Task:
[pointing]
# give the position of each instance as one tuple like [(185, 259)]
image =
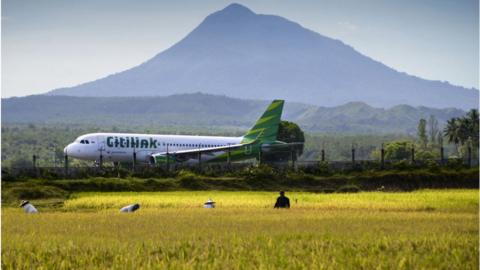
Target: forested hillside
[(219, 112)]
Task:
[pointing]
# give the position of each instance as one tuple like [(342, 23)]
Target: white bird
[(28, 207)]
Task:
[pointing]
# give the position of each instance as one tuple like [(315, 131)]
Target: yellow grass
[(442, 200), (424, 229)]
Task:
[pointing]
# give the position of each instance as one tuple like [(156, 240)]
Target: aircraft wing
[(281, 145), (193, 153), (209, 149)]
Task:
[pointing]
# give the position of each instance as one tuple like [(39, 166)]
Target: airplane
[(161, 149)]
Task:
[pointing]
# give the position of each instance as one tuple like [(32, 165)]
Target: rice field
[(428, 229)]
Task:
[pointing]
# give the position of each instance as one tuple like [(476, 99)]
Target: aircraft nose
[(65, 150)]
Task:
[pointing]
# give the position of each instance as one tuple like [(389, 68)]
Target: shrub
[(186, 175), (402, 165), (299, 176), (348, 189), (455, 163), (432, 165), (190, 180), (425, 155), (261, 172), (30, 192), (322, 169)]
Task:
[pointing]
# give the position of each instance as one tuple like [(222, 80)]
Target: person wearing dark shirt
[(282, 201)]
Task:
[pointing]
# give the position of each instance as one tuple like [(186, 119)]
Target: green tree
[(473, 119), (451, 131), (398, 150), (422, 133), (463, 131), (288, 132), (433, 130), (440, 139)]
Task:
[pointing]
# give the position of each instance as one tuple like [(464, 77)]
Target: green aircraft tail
[(266, 128)]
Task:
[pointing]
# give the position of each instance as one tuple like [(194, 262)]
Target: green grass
[(429, 229)]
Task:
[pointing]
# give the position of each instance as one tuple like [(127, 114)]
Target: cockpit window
[(82, 141), (86, 141)]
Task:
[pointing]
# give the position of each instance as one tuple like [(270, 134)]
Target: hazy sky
[(52, 44)]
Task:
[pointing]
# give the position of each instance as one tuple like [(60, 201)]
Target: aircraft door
[(101, 148)]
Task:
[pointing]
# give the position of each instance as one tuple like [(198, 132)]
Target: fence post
[(353, 154), (174, 158), (200, 161), (442, 159), (382, 158), (228, 157), (260, 155), (469, 156), (323, 155), (100, 163), (413, 155), (134, 160), (168, 160), (292, 156), (34, 161), (66, 165)]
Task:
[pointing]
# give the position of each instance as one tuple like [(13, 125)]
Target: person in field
[(28, 207), (130, 208), (282, 201)]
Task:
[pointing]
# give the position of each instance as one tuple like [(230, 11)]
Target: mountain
[(210, 111), (239, 53)]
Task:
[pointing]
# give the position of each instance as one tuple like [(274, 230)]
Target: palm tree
[(473, 117), (464, 129), (451, 131)]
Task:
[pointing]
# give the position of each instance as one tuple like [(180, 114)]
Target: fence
[(146, 170), (165, 170)]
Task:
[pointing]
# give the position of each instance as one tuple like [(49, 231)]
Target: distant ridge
[(204, 110), (239, 53)]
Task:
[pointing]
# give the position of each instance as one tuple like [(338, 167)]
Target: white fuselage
[(120, 147)]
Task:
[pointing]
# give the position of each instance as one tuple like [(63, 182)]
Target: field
[(426, 229)]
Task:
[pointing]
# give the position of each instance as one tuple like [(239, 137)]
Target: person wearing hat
[(28, 207), (130, 208), (282, 201), (209, 204)]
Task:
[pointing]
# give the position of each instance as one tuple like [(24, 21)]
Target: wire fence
[(166, 170)]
